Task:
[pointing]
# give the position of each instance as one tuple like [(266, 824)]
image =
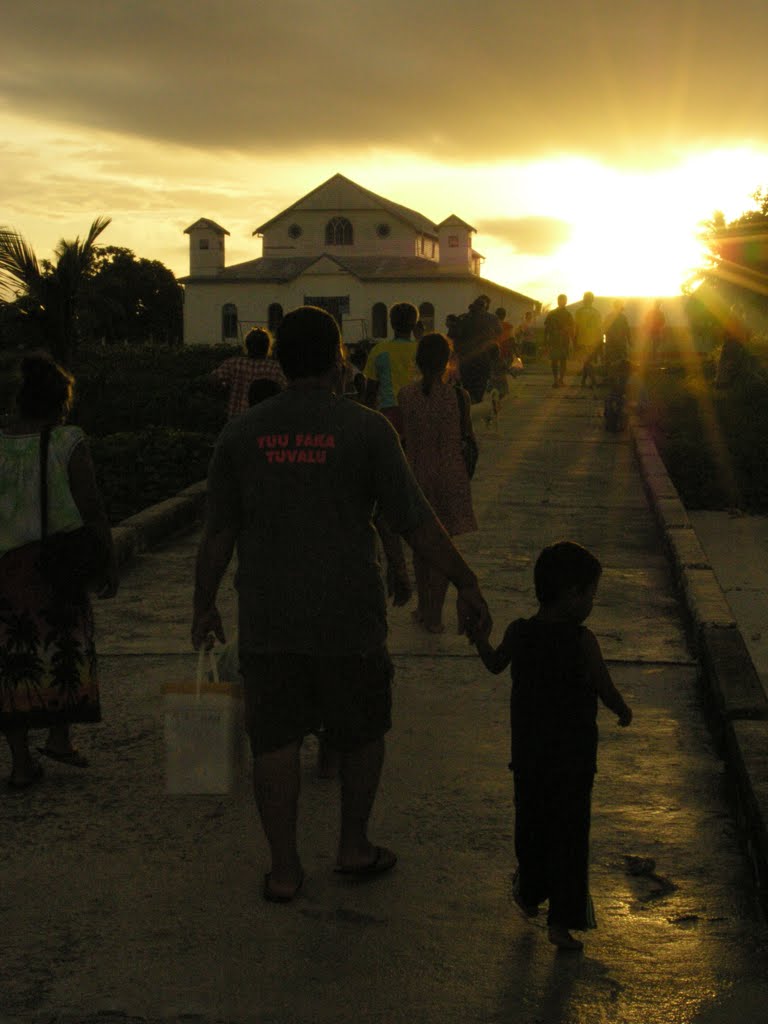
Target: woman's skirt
[(47, 655)]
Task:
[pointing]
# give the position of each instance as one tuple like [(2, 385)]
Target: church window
[(204, 243), (379, 320), (274, 316), (383, 230), (338, 231), (427, 316), (295, 231), (228, 321)]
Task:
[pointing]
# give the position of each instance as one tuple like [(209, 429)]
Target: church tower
[(456, 255), (206, 248)]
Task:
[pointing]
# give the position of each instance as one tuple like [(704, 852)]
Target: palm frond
[(19, 269)]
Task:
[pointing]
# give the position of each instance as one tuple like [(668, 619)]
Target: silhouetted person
[(558, 674), (478, 330), (524, 336), (559, 332), (617, 336), (588, 322), (390, 366), (261, 389), (294, 482), (236, 374), (654, 326)]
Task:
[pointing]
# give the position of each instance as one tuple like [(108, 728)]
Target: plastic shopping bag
[(204, 732)]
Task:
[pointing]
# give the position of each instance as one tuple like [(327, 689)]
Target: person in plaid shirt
[(237, 374)]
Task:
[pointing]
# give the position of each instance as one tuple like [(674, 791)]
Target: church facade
[(347, 250)]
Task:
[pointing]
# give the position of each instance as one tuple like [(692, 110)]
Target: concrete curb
[(158, 523), (737, 701)]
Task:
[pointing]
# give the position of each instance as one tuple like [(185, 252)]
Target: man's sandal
[(383, 860), (70, 757)]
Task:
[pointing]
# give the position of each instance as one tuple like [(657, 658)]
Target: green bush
[(138, 469), (712, 440), (131, 388)]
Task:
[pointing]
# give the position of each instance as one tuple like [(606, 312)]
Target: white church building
[(343, 248)]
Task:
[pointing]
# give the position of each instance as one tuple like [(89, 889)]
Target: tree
[(738, 255), (46, 295), (130, 299)]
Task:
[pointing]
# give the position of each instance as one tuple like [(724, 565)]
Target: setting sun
[(627, 232)]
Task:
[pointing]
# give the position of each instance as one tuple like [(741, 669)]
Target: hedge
[(712, 440)]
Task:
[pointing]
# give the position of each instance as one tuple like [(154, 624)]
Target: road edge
[(736, 701)]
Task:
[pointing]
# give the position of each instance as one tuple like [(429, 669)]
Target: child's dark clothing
[(553, 712)]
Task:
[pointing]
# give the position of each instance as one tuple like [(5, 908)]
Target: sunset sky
[(584, 139)]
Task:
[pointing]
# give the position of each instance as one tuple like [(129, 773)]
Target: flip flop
[(274, 897), (383, 860), (37, 774), (71, 757)]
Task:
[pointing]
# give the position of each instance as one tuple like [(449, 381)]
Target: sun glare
[(637, 233)]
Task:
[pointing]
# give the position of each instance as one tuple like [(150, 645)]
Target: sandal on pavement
[(275, 897), (383, 860), (37, 774), (71, 757), (563, 939)]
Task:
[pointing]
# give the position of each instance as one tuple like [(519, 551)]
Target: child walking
[(558, 673)]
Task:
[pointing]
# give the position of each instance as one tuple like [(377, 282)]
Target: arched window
[(338, 231), (274, 317), (379, 320), (427, 316), (228, 322)]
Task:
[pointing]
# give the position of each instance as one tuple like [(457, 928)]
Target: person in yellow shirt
[(392, 363)]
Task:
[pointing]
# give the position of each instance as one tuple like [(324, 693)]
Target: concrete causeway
[(122, 904)]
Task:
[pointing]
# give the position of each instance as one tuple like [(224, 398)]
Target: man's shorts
[(289, 695)]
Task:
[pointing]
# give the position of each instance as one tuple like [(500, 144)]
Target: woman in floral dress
[(433, 410), (47, 656)]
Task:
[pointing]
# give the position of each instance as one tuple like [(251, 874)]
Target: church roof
[(210, 225), (457, 221), (281, 269), (314, 200)]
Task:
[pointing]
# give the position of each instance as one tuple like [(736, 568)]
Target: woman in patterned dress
[(432, 427), (47, 656)]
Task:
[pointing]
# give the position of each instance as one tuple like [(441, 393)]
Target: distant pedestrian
[(390, 366), (236, 374), (392, 363), (434, 412), (524, 336), (654, 327), (505, 340), (261, 389), (588, 323), (559, 332), (617, 336), (558, 674), (478, 330)]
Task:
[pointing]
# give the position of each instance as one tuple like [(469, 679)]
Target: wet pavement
[(121, 903)]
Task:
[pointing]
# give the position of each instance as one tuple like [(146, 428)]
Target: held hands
[(206, 628), (473, 615), (110, 583), (625, 716)]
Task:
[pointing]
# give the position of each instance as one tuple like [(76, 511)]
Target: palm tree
[(48, 293)]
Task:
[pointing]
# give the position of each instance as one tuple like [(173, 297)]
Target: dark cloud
[(534, 236), (441, 77)]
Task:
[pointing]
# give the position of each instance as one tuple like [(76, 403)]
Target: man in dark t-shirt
[(294, 483)]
